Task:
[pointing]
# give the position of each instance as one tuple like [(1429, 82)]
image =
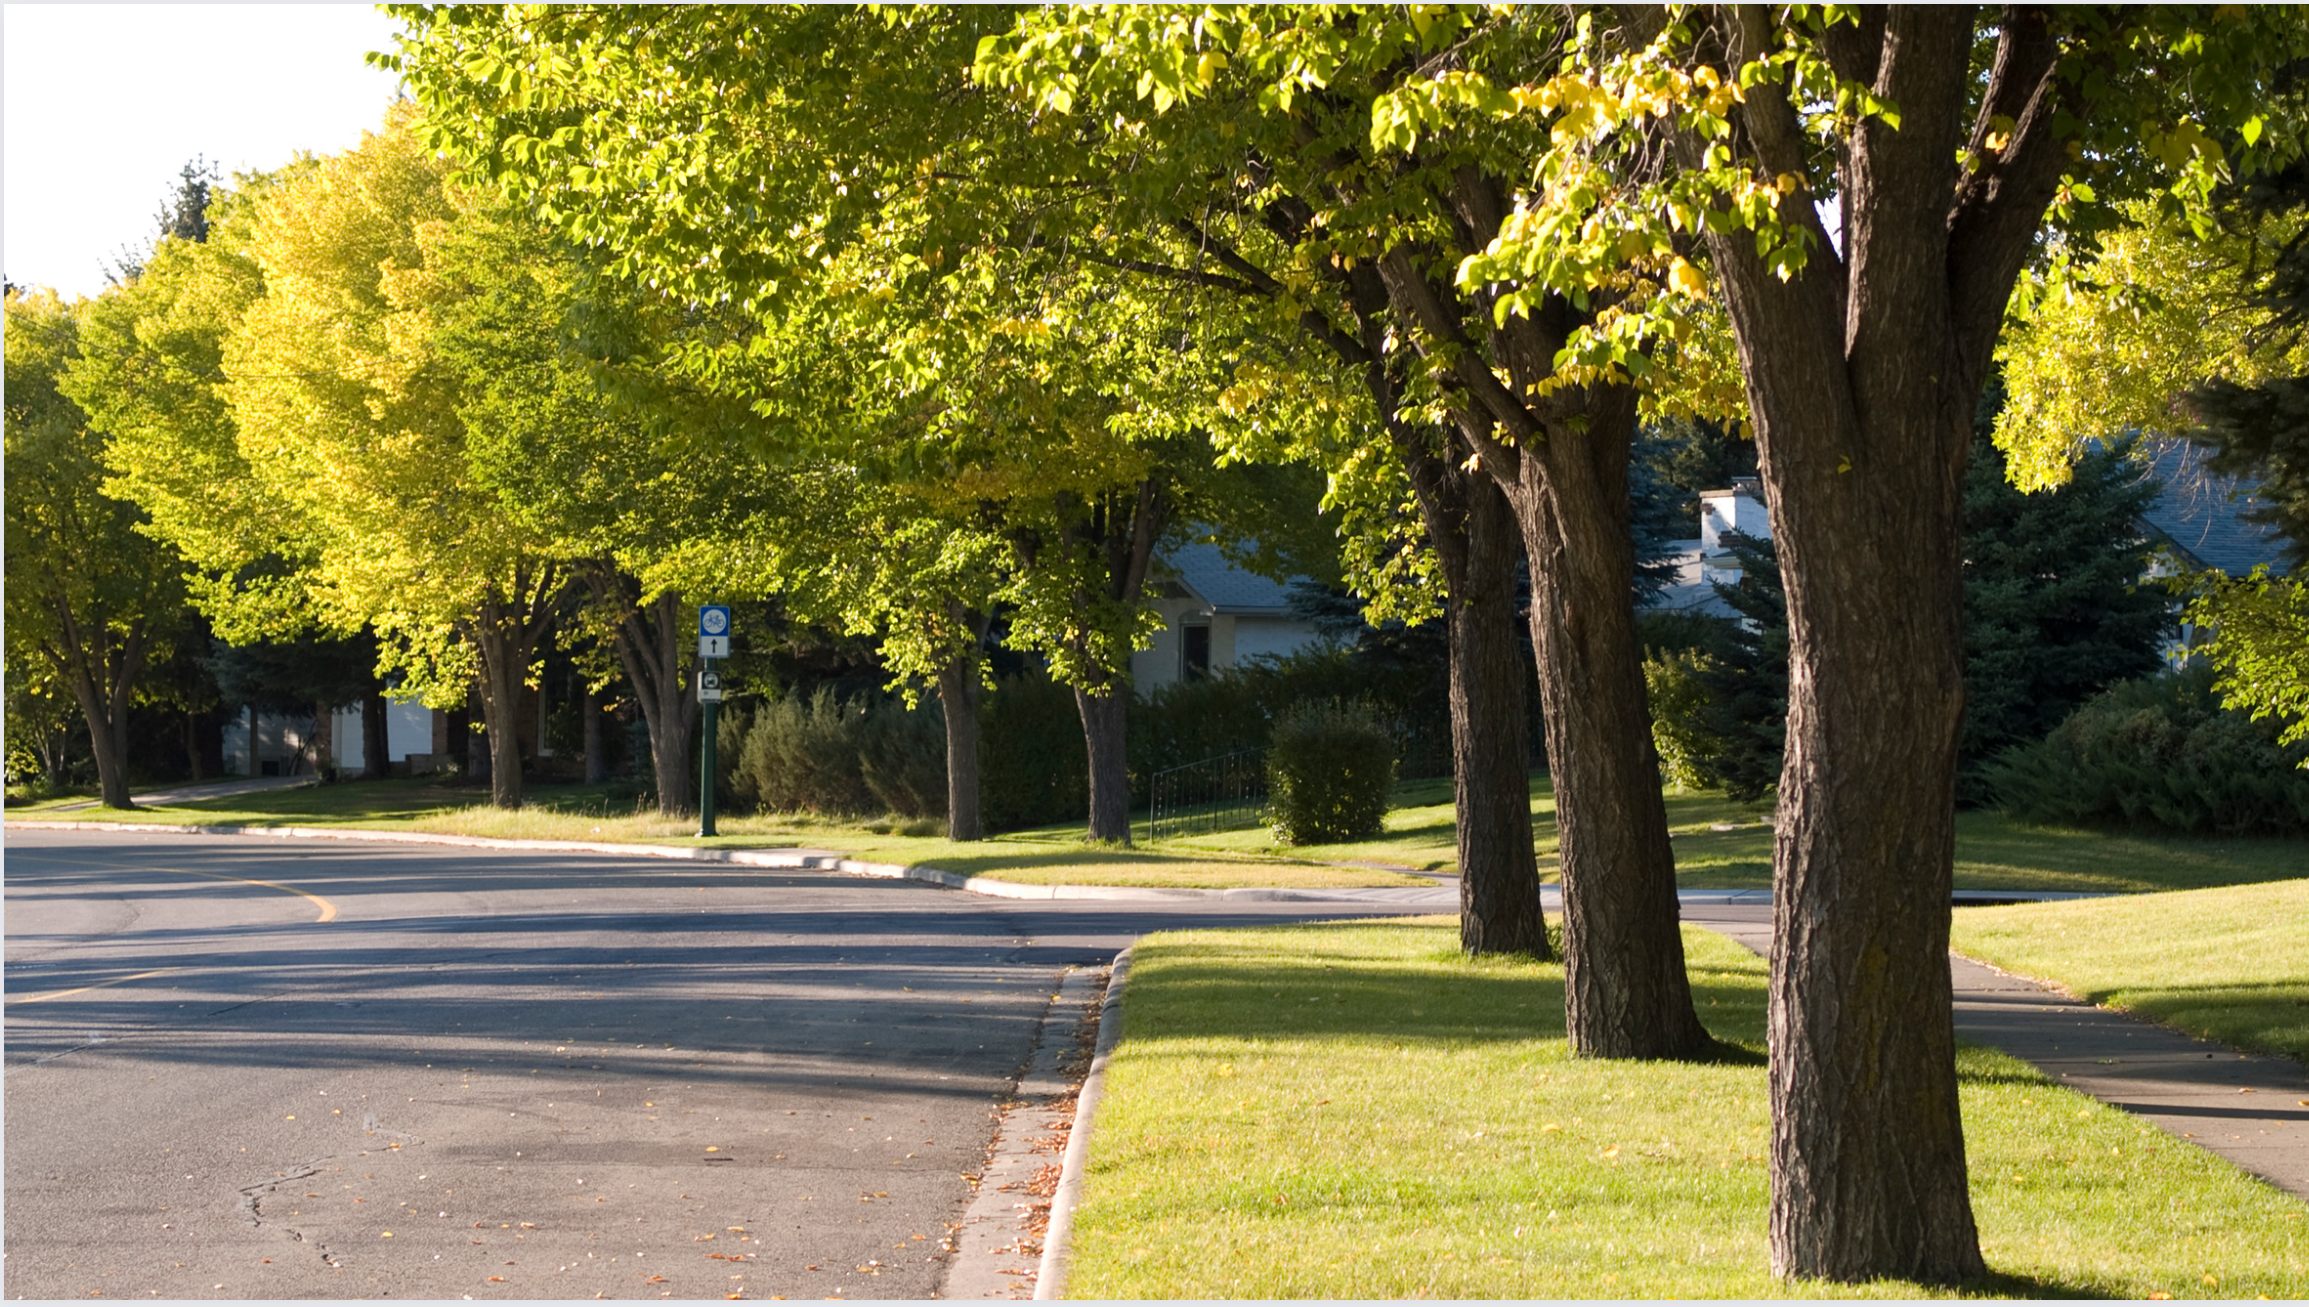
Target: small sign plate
[(713, 646), (714, 619), (709, 687)]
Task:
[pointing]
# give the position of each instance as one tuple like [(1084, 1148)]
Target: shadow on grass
[(1245, 991)]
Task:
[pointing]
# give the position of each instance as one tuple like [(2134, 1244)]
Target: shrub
[(2159, 752), (1033, 768), (1679, 699), (734, 787), (1329, 769), (902, 757), (803, 755)]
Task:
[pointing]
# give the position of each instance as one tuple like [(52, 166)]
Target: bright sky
[(106, 103)]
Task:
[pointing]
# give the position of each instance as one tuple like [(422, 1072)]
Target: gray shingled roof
[(1224, 586), (2202, 514)]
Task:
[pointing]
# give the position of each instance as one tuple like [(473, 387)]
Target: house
[(417, 739), (1703, 564), (1215, 615), (2200, 516)]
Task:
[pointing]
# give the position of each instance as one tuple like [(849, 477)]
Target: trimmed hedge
[(1330, 767)]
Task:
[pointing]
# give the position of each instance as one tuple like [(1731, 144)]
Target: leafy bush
[(1033, 767), (2159, 752), (734, 787), (1329, 770), (1234, 709), (902, 757), (802, 755), (1678, 695)]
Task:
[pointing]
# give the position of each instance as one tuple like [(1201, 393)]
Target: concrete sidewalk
[(2247, 1107), (202, 790)]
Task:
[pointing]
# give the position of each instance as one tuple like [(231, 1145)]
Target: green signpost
[(713, 644)]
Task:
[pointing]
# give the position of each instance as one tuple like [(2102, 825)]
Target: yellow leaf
[(1687, 280), (1549, 1126)]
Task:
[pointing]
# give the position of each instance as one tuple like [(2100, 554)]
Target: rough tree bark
[(1626, 992), (1862, 374), (1563, 465), (324, 740), (958, 695), (1474, 538), (596, 763), (376, 744), (1124, 535), (507, 633), (652, 648), (101, 676)]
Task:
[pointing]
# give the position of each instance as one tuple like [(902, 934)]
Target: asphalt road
[(241, 1068)]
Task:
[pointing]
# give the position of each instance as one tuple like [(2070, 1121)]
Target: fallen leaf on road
[(497, 1279), (655, 1279)]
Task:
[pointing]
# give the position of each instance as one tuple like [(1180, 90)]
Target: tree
[(2198, 335), (1945, 138), (352, 417), (183, 216), (879, 212), (90, 597), (1369, 228)]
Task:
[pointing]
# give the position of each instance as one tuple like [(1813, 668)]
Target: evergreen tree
[(1747, 680), (2054, 607)]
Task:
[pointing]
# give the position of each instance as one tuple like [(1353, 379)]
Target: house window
[(1194, 652)]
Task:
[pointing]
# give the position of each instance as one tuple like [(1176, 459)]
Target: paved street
[(242, 1069)]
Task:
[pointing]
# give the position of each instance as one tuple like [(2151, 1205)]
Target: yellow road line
[(103, 984), (328, 909)]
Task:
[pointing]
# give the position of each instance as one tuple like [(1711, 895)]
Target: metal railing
[(1227, 792)]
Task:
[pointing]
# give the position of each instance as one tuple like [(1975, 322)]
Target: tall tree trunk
[(596, 761), (1104, 712), (1120, 532), (324, 740), (376, 742), (1863, 371), (1626, 993), (1563, 465), (504, 666), (1499, 905), (191, 726), (478, 741), (651, 646), (1499, 900), (958, 692), (101, 676)]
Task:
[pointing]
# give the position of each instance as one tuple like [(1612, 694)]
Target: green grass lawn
[(2229, 964), (1718, 844), (1356, 1111), (1054, 855)]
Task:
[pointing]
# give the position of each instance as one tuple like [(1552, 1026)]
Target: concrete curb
[(1050, 1280), (1443, 895), (792, 860)]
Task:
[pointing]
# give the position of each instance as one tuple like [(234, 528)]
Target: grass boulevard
[(1356, 1110)]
